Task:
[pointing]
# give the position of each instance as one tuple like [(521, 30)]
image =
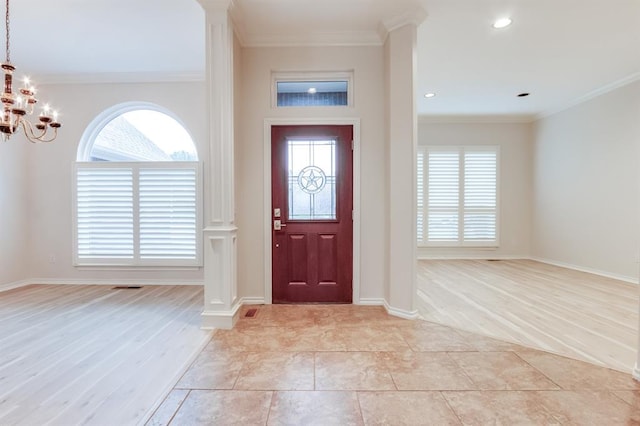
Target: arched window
[(138, 190), (141, 135)]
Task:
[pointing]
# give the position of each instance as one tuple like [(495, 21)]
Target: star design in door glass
[(312, 179)]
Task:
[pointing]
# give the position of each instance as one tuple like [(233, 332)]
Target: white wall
[(257, 65), (586, 210), (50, 170), (14, 197), (514, 140)]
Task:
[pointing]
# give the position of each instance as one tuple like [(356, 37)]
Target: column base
[(220, 319)]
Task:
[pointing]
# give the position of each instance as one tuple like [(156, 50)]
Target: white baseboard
[(15, 284), (401, 313), (371, 302), (488, 256), (636, 372), (410, 315), (469, 256), (632, 280), (74, 281), (252, 301)]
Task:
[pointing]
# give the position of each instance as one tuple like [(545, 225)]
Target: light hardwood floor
[(560, 310), (92, 354)]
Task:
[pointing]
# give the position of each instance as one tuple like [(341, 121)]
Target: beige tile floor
[(355, 365)]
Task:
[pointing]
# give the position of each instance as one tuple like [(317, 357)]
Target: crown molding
[(122, 77), (591, 95), (414, 16), (216, 5), (338, 38), (236, 13), (476, 119), (377, 37)]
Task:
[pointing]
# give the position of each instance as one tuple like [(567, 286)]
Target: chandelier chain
[(17, 104), (7, 32)]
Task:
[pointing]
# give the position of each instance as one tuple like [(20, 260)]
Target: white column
[(400, 57), (220, 285)]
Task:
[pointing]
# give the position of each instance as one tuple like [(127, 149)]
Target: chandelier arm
[(52, 138), (29, 132)]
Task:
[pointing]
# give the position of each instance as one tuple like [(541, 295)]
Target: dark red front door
[(312, 222)]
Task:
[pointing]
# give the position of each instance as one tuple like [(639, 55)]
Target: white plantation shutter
[(443, 181), (480, 196), (168, 222), (138, 213), (105, 213), (420, 195), (458, 196)]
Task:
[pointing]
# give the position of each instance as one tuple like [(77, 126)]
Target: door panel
[(312, 198), (327, 270), (297, 256)]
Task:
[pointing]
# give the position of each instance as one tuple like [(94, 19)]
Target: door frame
[(266, 213)]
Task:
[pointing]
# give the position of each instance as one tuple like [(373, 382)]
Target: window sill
[(103, 267), (458, 246)]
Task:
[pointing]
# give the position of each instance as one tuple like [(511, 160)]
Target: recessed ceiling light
[(502, 23), (429, 95), (522, 95), (312, 90)]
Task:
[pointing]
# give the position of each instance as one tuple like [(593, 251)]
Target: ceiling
[(560, 51)]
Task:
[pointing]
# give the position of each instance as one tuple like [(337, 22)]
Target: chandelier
[(17, 108)]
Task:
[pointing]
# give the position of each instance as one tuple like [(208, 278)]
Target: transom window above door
[(312, 89)]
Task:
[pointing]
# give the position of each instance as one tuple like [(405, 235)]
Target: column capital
[(414, 16), (216, 6)]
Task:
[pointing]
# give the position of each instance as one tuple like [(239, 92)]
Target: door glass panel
[(311, 180)]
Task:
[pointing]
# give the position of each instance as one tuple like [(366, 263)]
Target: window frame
[(311, 76), (136, 261), (83, 155), (422, 212)]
